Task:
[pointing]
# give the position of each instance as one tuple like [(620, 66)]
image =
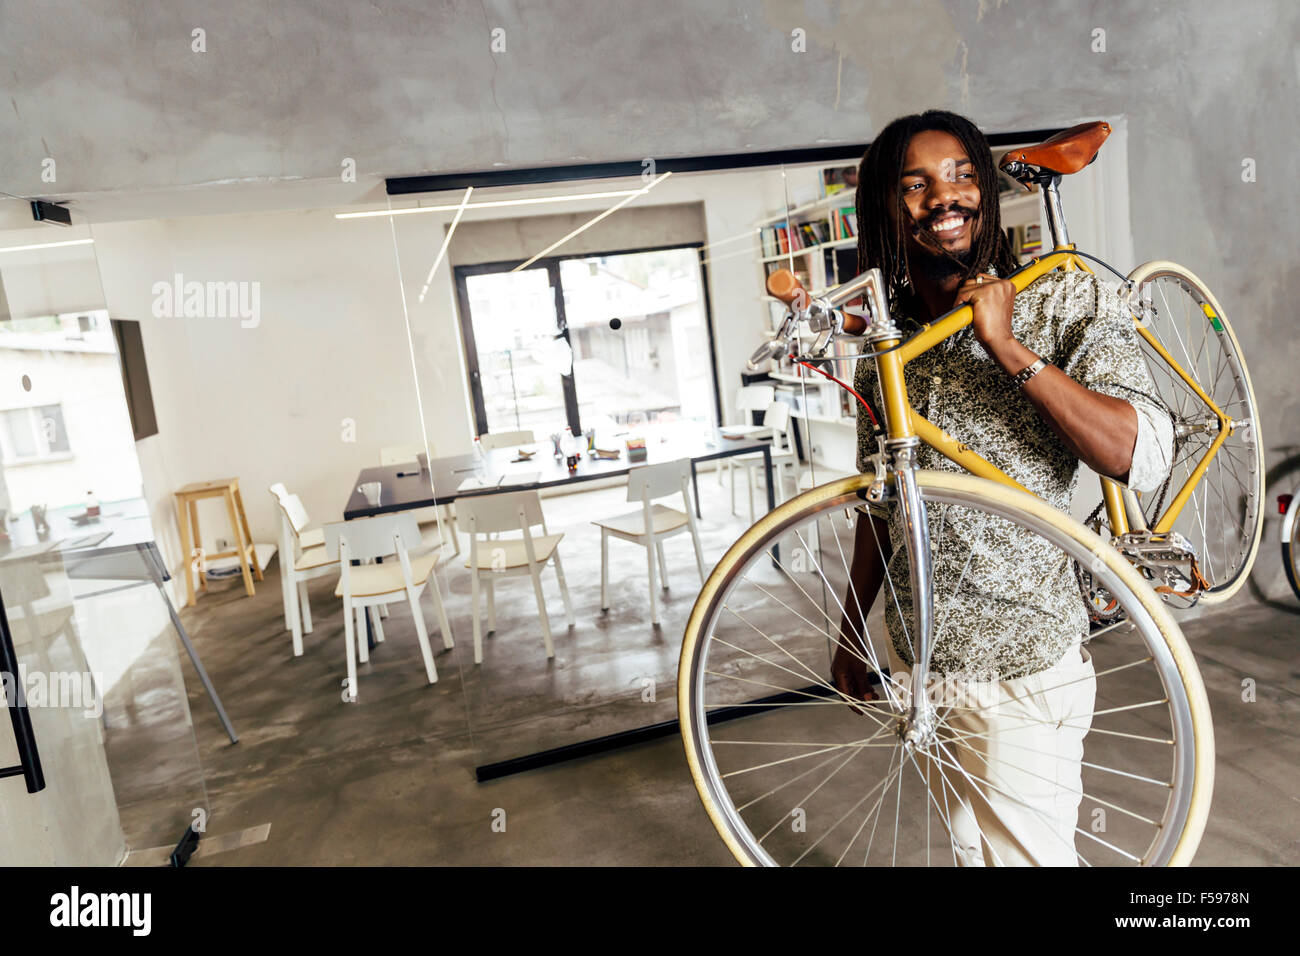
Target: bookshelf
[(817, 239)]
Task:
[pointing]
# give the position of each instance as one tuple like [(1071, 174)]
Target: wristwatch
[(1025, 374)]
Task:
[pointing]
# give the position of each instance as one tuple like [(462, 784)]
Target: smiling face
[(940, 194)]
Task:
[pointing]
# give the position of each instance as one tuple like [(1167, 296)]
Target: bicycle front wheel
[(1223, 516), (790, 773)]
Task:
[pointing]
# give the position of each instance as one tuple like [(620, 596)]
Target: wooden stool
[(187, 510)]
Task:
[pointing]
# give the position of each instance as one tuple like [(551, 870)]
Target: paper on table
[(477, 484), (517, 478), (745, 431)]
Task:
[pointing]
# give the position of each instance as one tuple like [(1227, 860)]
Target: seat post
[(1055, 216)]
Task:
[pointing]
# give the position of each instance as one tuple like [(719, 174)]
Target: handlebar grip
[(783, 285), (853, 324)]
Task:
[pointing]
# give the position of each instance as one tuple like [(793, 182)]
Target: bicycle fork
[(918, 729)]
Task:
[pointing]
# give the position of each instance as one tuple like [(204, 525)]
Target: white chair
[(302, 557), (494, 558), (651, 524), (366, 587), (494, 440), (749, 398), (443, 515), (777, 418)]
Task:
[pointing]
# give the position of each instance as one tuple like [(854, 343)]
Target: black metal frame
[(29, 765), (552, 264), (639, 735), (534, 175)]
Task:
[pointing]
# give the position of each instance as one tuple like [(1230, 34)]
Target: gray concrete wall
[(115, 94)]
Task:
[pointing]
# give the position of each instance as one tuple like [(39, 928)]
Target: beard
[(939, 267), (928, 261)]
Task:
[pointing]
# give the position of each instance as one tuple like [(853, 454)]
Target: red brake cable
[(849, 388)]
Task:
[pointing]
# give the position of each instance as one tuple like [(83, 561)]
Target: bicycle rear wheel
[(1223, 518), (805, 779), (1291, 542)]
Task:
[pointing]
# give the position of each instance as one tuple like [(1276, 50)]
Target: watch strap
[(1025, 374)]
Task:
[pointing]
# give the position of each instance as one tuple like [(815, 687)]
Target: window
[(33, 434), (542, 353)]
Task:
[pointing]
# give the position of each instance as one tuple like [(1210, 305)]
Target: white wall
[(307, 396)]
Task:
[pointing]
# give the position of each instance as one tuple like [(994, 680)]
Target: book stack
[(784, 237)]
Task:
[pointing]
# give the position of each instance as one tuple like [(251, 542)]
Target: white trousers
[(1006, 775)]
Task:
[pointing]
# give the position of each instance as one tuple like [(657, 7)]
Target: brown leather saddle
[(1066, 152)]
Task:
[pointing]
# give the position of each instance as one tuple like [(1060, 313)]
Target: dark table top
[(403, 487)]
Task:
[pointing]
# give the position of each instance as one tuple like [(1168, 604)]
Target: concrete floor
[(390, 780)]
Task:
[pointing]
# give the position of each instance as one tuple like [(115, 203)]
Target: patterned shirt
[(1006, 604)]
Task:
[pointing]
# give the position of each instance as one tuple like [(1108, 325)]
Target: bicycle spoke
[(785, 760), (816, 678), (866, 645), (865, 798), (1012, 797), (793, 780), (807, 796), (1081, 793), (862, 614), (879, 803), (809, 761)]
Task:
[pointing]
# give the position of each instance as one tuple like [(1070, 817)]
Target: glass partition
[(630, 327), (282, 376), (97, 657), (266, 383)]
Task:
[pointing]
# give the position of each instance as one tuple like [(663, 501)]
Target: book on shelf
[(848, 404), (843, 223), (783, 238), (1028, 240), (800, 273)]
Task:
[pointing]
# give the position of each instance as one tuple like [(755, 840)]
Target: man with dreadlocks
[(928, 218)]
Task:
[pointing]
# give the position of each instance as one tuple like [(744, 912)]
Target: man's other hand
[(850, 677)]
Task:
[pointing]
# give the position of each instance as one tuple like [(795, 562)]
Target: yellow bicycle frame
[(903, 422)]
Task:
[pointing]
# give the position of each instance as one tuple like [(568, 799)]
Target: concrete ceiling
[(114, 93)]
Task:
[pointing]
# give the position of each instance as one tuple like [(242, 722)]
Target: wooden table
[(187, 512)]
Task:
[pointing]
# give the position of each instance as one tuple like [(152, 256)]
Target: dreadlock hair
[(880, 235)]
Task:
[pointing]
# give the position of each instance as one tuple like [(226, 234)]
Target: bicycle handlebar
[(784, 285)]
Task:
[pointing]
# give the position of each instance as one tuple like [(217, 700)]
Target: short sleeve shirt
[(1010, 603)]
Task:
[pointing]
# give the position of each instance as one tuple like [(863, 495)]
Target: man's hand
[(991, 299), (849, 675)]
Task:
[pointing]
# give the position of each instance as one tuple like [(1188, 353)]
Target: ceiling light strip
[(446, 241), (591, 222), (47, 245), (487, 204)]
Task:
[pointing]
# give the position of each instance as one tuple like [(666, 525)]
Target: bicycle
[(1289, 506), (1147, 774)]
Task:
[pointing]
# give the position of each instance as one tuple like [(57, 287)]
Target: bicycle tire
[(1290, 536), (1193, 758), (1227, 582)]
